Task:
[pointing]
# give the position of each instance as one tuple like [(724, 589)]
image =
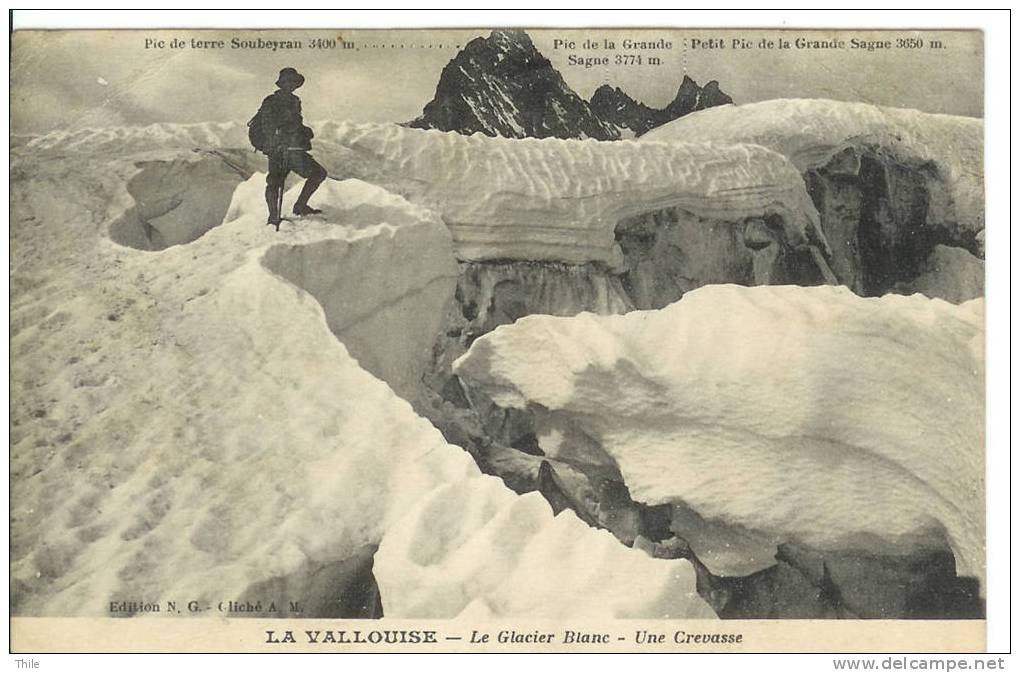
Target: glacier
[(221, 419), (173, 356), (805, 414)]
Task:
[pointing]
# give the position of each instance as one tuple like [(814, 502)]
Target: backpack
[(260, 132)]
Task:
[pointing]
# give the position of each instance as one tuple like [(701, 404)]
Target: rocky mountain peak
[(613, 105), (501, 85), (503, 48), (712, 95), (690, 98)]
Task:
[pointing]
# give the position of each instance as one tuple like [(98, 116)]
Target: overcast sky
[(77, 79)]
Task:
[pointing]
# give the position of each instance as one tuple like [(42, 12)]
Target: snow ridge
[(560, 200), (529, 199)]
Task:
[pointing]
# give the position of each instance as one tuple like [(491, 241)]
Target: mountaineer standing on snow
[(278, 131)]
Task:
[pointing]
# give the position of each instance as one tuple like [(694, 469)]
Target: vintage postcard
[(497, 340)]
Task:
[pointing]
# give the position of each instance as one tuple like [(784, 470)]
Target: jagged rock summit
[(690, 98), (613, 105), (503, 86)]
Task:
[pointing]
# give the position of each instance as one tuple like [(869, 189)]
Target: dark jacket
[(282, 111)]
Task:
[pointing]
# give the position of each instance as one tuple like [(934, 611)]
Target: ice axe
[(279, 206)]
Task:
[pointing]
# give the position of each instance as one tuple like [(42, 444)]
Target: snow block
[(808, 414), (560, 200)]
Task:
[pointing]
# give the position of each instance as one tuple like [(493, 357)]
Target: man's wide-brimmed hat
[(290, 75)]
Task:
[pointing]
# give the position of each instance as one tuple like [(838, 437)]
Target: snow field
[(219, 435)]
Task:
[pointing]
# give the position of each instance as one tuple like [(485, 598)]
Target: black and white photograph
[(497, 339)]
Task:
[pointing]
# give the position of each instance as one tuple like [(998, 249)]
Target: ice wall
[(384, 292), (950, 273), (811, 132), (889, 184), (498, 293), (560, 200)]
